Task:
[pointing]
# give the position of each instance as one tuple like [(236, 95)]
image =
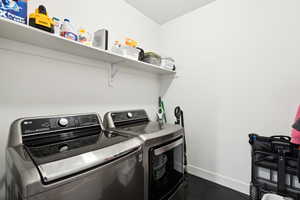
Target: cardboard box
[(15, 10)]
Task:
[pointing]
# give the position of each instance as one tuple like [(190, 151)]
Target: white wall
[(238, 66), (32, 83)]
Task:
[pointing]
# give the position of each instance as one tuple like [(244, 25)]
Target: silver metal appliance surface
[(161, 141), (71, 157)]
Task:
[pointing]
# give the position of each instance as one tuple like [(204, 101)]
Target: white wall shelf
[(23, 33)]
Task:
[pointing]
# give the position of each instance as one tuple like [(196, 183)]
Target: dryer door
[(166, 169)]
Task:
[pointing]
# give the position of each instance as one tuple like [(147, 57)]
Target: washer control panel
[(39, 125)]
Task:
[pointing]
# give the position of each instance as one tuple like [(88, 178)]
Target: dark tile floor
[(200, 189)]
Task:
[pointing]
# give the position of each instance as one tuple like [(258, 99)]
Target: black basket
[(279, 157)]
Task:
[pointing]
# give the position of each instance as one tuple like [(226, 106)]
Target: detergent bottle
[(67, 31), (57, 25), (84, 37)]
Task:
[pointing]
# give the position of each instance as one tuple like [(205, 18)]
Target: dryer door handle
[(168, 147)]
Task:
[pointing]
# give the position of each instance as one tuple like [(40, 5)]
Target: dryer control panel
[(129, 117)]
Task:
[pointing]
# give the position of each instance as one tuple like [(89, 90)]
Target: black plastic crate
[(279, 159)]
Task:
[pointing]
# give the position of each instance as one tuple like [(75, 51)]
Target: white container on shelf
[(130, 52), (57, 25), (168, 63), (100, 39), (117, 48)]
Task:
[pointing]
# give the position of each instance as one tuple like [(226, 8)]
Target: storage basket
[(152, 58)]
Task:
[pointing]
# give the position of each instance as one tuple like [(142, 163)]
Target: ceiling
[(162, 11)]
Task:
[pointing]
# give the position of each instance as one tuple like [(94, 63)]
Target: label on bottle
[(69, 35)]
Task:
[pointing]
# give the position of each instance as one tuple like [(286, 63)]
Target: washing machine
[(71, 157)]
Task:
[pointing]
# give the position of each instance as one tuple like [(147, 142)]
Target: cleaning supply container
[(84, 37), (117, 48), (67, 30), (130, 52), (57, 25), (168, 63), (100, 39)]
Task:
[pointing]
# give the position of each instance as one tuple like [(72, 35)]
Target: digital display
[(35, 125)]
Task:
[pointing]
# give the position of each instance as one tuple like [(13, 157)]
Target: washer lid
[(55, 170), (145, 128), (51, 152), (150, 130)]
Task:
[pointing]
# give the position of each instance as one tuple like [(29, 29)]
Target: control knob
[(129, 115), (63, 122)]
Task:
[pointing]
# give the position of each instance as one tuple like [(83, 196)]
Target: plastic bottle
[(84, 37), (68, 31), (57, 25), (117, 48)]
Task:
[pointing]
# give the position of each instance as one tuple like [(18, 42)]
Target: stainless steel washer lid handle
[(168, 147)]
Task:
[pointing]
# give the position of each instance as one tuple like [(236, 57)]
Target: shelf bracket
[(113, 71)]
